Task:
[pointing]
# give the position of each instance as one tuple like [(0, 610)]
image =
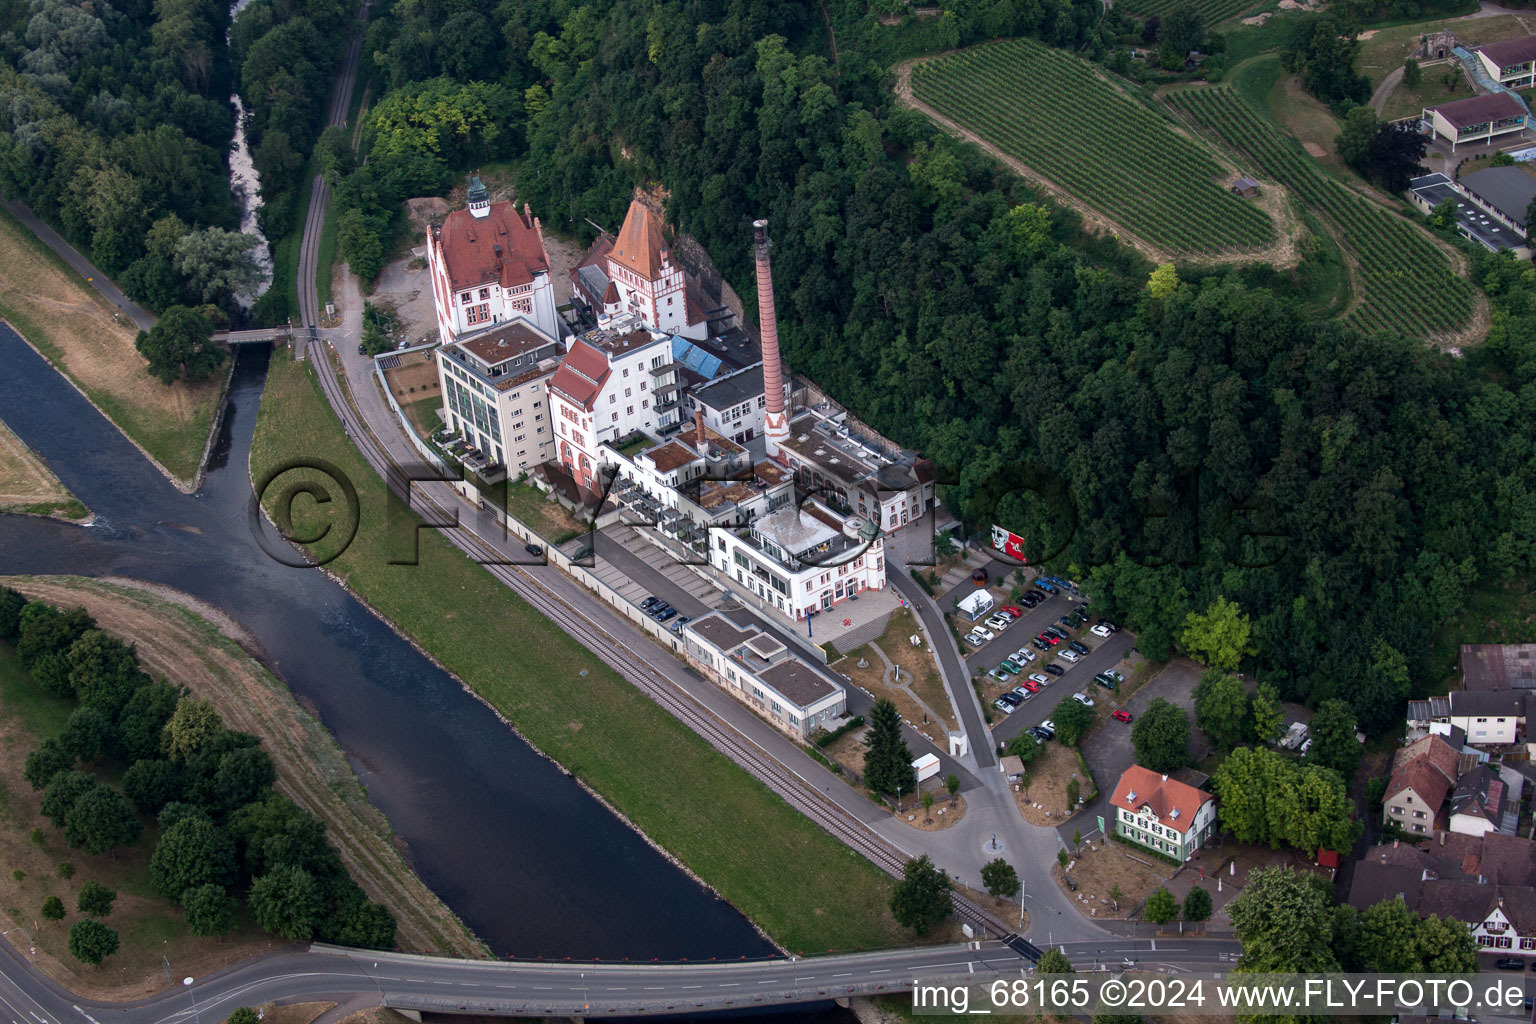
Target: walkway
[(141, 318)]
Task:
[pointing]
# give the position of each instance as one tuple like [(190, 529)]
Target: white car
[(985, 634), (1101, 630), (974, 639), (1070, 657), (999, 622), (1083, 699), (1040, 677), (1022, 692), (1023, 655), (1003, 706)]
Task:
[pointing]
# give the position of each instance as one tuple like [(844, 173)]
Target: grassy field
[(1406, 102), (1126, 161), (72, 325), (794, 880), (29, 487), (176, 642), (1407, 284), (423, 414)]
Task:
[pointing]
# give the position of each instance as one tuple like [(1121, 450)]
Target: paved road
[(957, 680), (564, 989), (141, 318)]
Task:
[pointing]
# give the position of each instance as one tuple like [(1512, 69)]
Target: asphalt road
[(942, 641), (567, 988), (141, 318)]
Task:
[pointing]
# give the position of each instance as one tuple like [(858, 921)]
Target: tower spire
[(775, 418)]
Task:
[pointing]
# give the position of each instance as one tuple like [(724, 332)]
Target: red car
[(1121, 716), (1031, 686), (1046, 638), (1013, 610)]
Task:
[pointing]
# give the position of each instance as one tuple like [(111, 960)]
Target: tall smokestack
[(775, 419)]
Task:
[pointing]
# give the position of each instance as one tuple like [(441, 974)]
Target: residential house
[(1479, 803), (1424, 773), (1163, 814)]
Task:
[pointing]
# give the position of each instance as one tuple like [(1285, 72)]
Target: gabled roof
[(639, 244), (581, 375), (1480, 793), (1494, 703), (1374, 881), (1432, 750), (1492, 106), (1424, 780), (469, 247), (1509, 52), (1171, 802)]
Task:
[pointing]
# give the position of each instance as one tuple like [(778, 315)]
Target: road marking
[(845, 974), (729, 984), (87, 1016)]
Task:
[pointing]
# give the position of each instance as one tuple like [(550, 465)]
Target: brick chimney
[(775, 418)]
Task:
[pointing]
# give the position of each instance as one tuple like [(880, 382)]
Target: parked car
[(649, 603), (985, 634), (1079, 647), (1003, 706), (1023, 655), (682, 620), (999, 622), (1039, 645), (1057, 632), (1012, 611), (1010, 666), (660, 610), (1066, 620), (1049, 728), (974, 639), (1043, 585), (1121, 716), (1036, 677), (1509, 963), (1030, 685), (533, 549), (1070, 657), (999, 675), (1116, 677), (665, 614), (1036, 594), (1028, 600), (1056, 670), (361, 349), (1083, 699), (1104, 681), (1023, 692), (1046, 638), (1100, 630), (1108, 625)]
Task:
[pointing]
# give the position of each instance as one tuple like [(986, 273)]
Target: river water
[(245, 183), (528, 859)]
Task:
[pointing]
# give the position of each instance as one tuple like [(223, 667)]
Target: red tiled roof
[(1510, 52), (1424, 779), (1478, 109), (1161, 795), (581, 374), (1432, 750), (469, 248), (670, 456), (639, 244)]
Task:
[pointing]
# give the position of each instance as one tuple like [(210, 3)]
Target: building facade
[(1510, 62), (495, 393), (488, 265), (1165, 815), (634, 274), (851, 469), (801, 560), (1476, 119), (760, 671), (613, 382)]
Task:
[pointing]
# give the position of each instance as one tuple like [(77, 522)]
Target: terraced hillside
[(1407, 283), (1210, 11), (1058, 115)]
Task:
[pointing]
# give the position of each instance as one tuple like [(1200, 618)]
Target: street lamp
[(188, 983)]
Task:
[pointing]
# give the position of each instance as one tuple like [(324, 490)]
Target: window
[(642, 385), (615, 417), (628, 392), (477, 315), (1418, 814), (646, 404), (626, 371), (629, 410), (485, 293), (520, 437), (1397, 810), (466, 299)]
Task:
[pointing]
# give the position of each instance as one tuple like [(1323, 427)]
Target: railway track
[(794, 790)]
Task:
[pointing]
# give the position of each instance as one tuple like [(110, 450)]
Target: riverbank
[(806, 890), (75, 329), (28, 486), (199, 648)]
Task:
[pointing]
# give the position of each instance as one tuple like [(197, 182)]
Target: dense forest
[(225, 838), (1171, 444), (114, 125)]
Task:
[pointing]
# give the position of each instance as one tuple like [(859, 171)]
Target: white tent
[(976, 605)]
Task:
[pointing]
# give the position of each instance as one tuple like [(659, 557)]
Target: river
[(245, 183), (528, 859)]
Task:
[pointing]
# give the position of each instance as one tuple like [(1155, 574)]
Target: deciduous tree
[(208, 909), (1197, 904), (920, 900), (1161, 737), (101, 819), (1072, 720), (1221, 708), (95, 899), (1332, 730), (91, 942), (1000, 878), (286, 902), (179, 346), (1220, 636), (1161, 907)]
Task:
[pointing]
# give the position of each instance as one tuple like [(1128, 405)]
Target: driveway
[(1108, 749)]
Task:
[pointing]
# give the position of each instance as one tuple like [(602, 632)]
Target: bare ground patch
[(27, 485), (1042, 794), (75, 328), (1104, 866), (942, 815), (177, 641)]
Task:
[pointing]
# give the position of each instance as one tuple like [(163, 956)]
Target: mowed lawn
[(805, 889), (1062, 117), (66, 320)]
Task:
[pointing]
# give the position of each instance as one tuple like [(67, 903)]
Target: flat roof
[(797, 681), (670, 456), (1471, 220), (1491, 106), (793, 531), (765, 646), (1507, 189), (731, 389), (720, 631)]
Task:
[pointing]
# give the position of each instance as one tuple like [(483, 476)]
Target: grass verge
[(805, 889), (28, 487), (178, 638), (74, 328)]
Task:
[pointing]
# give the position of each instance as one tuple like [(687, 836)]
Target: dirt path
[(1283, 253), (198, 647), (1379, 97)]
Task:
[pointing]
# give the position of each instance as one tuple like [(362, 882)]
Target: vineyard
[(1054, 113), (1407, 283), (1210, 11)]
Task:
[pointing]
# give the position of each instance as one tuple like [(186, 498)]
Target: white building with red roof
[(613, 382), (1171, 817), (488, 265), (634, 274)]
